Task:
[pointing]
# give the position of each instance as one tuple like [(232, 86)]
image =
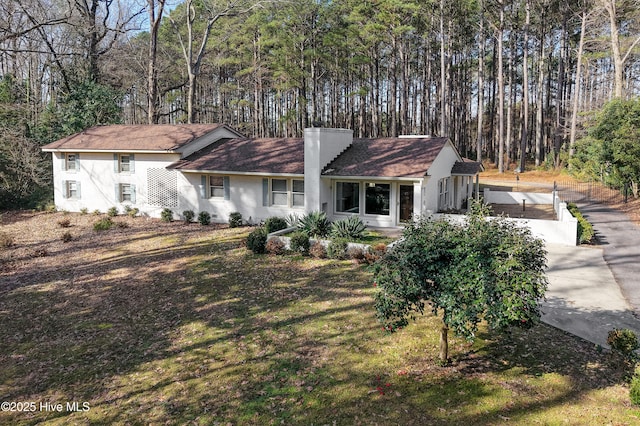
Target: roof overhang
[(235, 173), (109, 151), (376, 178)]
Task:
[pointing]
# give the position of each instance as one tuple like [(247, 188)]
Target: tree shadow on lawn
[(74, 331), (551, 356), (196, 329)]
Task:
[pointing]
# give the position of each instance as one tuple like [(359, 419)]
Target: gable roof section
[(157, 137), (248, 155), (387, 157), (466, 167)]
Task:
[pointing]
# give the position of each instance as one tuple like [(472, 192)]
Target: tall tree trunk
[(525, 90), (375, 95), (481, 54), (578, 86), (499, 35), (444, 343), (443, 76), (539, 100), (560, 94), (155, 10), (509, 107), (618, 63), (619, 58)]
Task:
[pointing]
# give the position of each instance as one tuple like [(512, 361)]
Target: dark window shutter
[(203, 186), (133, 194), (265, 192), (132, 163)]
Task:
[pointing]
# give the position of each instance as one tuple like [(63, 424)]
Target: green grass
[(186, 326), (374, 237)]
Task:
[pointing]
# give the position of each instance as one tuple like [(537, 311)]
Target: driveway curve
[(619, 239)]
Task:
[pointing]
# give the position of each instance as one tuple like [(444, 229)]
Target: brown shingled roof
[(158, 137), (466, 167), (249, 155), (387, 157)]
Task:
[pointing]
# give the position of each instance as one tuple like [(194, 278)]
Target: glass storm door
[(406, 202)]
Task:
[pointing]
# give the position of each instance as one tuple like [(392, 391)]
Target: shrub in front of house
[(103, 224), (204, 218), (337, 248), (624, 341), (315, 224), (317, 250), (235, 220), (275, 246), (352, 228), (257, 240), (274, 224), (112, 212), (300, 242), (188, 216), (131, 211), (166, 215)]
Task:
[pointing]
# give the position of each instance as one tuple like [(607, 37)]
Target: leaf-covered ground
[(155, 323)]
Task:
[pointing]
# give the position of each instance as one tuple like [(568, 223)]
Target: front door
[(406, 202)]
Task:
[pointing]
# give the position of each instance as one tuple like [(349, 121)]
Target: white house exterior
[(211, 168), (116, 166)]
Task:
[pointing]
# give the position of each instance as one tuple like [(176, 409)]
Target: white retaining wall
[(562, 231), (506, 197), (551, 231)]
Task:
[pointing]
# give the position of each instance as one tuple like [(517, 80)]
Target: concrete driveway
[(594, 289), (583, 297)]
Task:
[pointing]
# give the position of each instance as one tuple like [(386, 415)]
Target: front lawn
[(156, 323)]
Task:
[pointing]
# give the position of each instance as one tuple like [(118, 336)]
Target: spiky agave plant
[(314, 224), (351, 228)]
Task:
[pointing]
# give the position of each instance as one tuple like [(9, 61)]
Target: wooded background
[(508, 81)]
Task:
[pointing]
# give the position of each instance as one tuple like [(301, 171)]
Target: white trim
[(289, 193)]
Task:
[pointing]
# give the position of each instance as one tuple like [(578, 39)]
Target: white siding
[(441, 168), (99, 181), (245, 196)]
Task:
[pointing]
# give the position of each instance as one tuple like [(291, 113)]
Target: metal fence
[(586, 192)]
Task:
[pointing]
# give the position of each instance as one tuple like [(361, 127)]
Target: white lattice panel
[(162, 185)]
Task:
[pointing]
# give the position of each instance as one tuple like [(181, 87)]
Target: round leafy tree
[(479, 269)]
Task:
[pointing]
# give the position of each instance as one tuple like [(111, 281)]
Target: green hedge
[(586, 234)]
